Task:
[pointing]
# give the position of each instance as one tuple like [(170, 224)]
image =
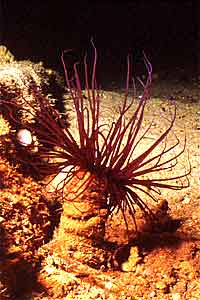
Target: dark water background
[(165, 30)]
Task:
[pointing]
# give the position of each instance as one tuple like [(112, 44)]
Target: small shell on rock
[(24, 137)]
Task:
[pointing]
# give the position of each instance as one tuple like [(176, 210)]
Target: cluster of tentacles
[(106, 151)]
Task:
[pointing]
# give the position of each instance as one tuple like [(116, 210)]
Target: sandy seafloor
[(167, 268)]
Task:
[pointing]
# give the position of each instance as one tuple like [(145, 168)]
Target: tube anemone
[(99, 173)]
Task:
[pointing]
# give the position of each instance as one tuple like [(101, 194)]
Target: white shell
[(24, 137)]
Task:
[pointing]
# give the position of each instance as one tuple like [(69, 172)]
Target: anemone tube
[(97, 173)]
